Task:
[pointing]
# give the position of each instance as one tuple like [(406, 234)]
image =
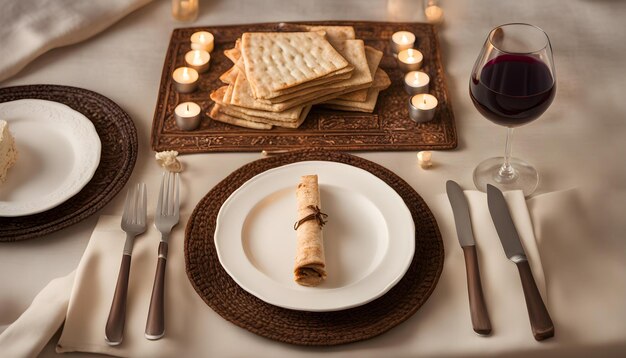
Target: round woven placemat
[(229, 300), (118, 155)]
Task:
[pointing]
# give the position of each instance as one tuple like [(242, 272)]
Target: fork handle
[(155, 326), (114, 330)]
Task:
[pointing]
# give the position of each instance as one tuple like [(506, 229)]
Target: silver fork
[(165, 219), (133, 223)]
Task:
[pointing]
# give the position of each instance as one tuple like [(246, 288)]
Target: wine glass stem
[(507, 172)]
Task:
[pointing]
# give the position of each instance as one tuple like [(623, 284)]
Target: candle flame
[(416, 80), (185, 73), (196, 57), (404, 38), (201, 38)]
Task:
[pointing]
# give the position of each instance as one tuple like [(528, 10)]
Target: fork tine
[(171, 196), (141, 209), (177, 189), (135, 204), (166, 194), (126, 214), (159, 209)]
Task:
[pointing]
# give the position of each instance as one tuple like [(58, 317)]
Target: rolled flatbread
[(310, 265)]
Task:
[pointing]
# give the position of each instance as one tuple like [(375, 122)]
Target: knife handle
[(540, 320), (155, 325), (478, 308), (114, 329)]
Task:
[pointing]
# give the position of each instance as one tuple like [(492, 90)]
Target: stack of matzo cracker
[(278, 76)]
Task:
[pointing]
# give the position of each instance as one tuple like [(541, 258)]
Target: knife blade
[(462, 221), (540, 321)]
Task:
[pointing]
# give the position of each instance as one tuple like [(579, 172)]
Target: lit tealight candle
[(424, 159), (402, 40), (198, 60), (187, 116), (185, 79), (416, 82), (202, 40), (434, 14), (185, 10), (410, 60), (422, 107)]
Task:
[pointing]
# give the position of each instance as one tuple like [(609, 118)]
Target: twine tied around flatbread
[(317, 215)]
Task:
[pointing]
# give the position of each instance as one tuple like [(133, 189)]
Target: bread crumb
[(168, 161)]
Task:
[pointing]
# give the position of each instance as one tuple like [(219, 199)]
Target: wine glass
[(513, 82)]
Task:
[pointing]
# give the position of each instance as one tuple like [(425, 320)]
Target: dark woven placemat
[(118, 155), (229, 300), (388, 128)]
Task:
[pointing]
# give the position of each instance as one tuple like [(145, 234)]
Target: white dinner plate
[(369, 239), (58, 153)]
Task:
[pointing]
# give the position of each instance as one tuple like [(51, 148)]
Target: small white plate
[(369, 239), (58, 153)]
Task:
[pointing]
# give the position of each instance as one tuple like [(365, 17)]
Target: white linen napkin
[(33, 329), (580, 234), (193, 329), (489, 245), (94, 286), (33, 27), (501, 283)]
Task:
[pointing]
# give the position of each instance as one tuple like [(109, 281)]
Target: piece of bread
[(310, 262), (381, 82), (220, 96), (367, 106), (242, 96), (354, 52), (373, 60), (8, 150), (236, 112), (225, 118), (230, 76), (334, 34), (276, 61)]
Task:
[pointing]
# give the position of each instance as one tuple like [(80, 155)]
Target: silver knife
[(478, 309), (540, 321)]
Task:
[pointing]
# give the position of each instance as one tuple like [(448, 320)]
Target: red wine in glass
[(513, 83), (512, 90)]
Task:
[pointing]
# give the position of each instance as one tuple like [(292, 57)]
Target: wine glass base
[(525, 177)]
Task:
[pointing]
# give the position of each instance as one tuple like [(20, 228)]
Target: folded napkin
[(584, 280), (32, 27), (33, 329), (94, 286), (502, 275), (580, 234), (502, 288)]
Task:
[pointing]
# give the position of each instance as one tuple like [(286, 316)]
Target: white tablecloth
[(579, 141)]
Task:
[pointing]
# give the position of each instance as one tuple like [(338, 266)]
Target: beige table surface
[(578, 140)]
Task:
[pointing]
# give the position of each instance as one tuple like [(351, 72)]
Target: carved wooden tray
[(388, 128)]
